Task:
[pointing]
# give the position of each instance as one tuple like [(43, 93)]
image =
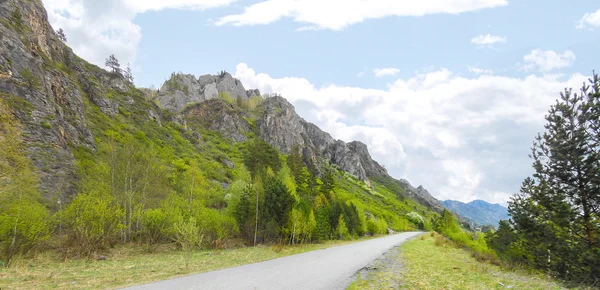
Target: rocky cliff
[(48, 87)]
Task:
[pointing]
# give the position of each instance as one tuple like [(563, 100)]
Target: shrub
[(216, 227), (188, 237), (24, 225), (94, 221), (155, 224)]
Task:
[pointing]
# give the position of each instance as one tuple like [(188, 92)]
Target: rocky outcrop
[(182, 90), (421, 195), (284, 129), (372, 168), (218, 115)]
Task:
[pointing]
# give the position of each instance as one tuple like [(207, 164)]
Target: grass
[(131, 265), (439, 265)]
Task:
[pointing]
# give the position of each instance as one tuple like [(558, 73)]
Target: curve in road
[(331, 268)]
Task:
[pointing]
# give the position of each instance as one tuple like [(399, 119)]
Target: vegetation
[(24, 221), (175, 83), (61, 35), (113, 63), (160, 187), (555, 222), (434, 262)]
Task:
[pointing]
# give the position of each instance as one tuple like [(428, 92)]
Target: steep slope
[(478, 212), (68, 106), (47, 86)]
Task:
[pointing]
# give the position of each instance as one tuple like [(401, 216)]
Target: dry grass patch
[(132, 265)]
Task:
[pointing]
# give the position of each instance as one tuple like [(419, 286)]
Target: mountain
[(478, 212), (280, 126), (71, 113)]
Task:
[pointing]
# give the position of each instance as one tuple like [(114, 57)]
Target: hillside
[(479, 212), (105, 163)]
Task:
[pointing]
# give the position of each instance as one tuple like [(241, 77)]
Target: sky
[(448, 94)]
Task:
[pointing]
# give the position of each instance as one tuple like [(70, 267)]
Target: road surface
[(331, 268)]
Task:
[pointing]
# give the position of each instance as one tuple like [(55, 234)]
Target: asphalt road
[(331, 268)]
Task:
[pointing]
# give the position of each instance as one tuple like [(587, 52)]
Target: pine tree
[(127, 74), (328, 182), (61, 35), (558, 211), (113, 63)]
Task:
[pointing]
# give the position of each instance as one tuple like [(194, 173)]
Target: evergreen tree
[(113, 63), (127, 74), (61, 35), (278, 202), (259, 156), (323, 228), (328, 182), (558, 211)]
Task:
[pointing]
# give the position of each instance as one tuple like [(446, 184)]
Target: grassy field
[(430, 265), (130, 265)]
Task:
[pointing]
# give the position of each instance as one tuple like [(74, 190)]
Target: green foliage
[(32, 81), (508, 244), (556, 214), (175, 83), (259, 156), (16, 19), (342, 230), (376, 227), (448, 226), (24, 221), (188, 236), (225, 96), (46, 125), (94, 221), (278, 203), (17, 103), (416, 219), (156, 225), (216, 226)]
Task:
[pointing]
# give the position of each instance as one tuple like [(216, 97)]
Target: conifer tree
[(558, 210)]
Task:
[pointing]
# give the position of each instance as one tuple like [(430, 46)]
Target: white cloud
[(488, 39), (338, 14), (548, 60), (480, 71), (382, 72), (96, 29), (589, 20), (462, 138)]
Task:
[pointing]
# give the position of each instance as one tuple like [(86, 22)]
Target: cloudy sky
[(446, 93)]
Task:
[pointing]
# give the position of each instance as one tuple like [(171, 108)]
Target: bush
[(94, 221), (216, 227), (376, 227), (188, 237), (157, 226), (22, 226)]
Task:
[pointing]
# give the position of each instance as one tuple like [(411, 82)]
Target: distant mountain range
[(478, 212)]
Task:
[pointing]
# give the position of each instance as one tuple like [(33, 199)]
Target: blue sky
[(447, 93)]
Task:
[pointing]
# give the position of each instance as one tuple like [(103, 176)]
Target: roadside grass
[(432, 263), (131, 265)]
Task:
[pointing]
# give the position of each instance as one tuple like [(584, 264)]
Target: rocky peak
[(181, 90), (371, 166)]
